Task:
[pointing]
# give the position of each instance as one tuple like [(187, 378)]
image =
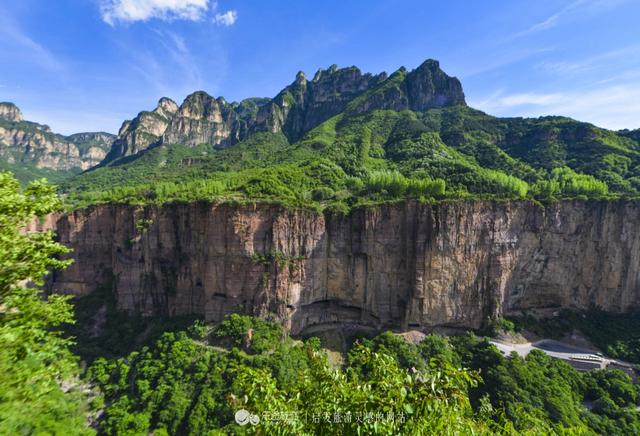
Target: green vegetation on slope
[(193, 382), (26, 172), (157, 375), (360, 158)]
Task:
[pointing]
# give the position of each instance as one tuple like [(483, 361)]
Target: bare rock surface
[(407, 266)]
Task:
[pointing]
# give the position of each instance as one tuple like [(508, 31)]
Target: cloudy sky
[(81, 65)]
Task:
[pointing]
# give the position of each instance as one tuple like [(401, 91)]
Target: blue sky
[(81, 65)]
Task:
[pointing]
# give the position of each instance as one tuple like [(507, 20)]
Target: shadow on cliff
[(102, 331)]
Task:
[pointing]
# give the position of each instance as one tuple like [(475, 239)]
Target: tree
[(34, 357)]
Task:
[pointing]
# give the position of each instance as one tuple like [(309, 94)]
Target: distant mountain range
[(32, 150), (415, 122)]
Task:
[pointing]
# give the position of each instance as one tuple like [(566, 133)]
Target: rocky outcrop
[(305, 104), (429, 87), (10, 112), (102, 140), (396, 266), (202, 119), (424, 88), (144, 131), (28, 143), (298, 108)]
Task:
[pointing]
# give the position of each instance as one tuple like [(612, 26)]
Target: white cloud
[(577, 8), (605, 59), (175, 46), (13, 37), (226, 19), (550, 21), (613, 107), (114, 11)]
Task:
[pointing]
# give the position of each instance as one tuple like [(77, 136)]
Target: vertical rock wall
[(400, 266)]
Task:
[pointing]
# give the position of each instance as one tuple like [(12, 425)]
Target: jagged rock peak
[(333, 72), (29, 143), (428, 86), (203, 119), (298, 108), (10, 112), (201, 105), (166, 107), (301, 78), (143, 132)]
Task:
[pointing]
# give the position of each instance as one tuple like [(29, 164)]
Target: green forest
[(358, 159), (193, 381)]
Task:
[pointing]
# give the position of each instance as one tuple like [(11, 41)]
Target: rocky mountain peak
[(166, 107), (29, 144), (428, 87), (10, 112), (203, 119), (301, 78), (298, 108), (199, 105)]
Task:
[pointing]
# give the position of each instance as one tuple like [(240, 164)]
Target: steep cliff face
[(397, 266), (145, 130), (305, 104), (10, 112), (202, 119), (28, 143), (298, 108)]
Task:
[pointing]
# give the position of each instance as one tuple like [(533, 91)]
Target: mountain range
[(412, 125), (32, 150)]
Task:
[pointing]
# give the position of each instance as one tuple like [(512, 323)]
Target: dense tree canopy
[(193, 382), (34, 359)]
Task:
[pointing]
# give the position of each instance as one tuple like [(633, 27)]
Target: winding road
[(581, 358)]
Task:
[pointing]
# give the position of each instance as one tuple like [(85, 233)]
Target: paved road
[(556, 349)]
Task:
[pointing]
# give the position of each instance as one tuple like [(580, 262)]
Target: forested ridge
[(408, 135), (448, 153)]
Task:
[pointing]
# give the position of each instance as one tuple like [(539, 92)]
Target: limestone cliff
[(10, 112), (397, 266), (145, 130), (202, 119), (28, 143)]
